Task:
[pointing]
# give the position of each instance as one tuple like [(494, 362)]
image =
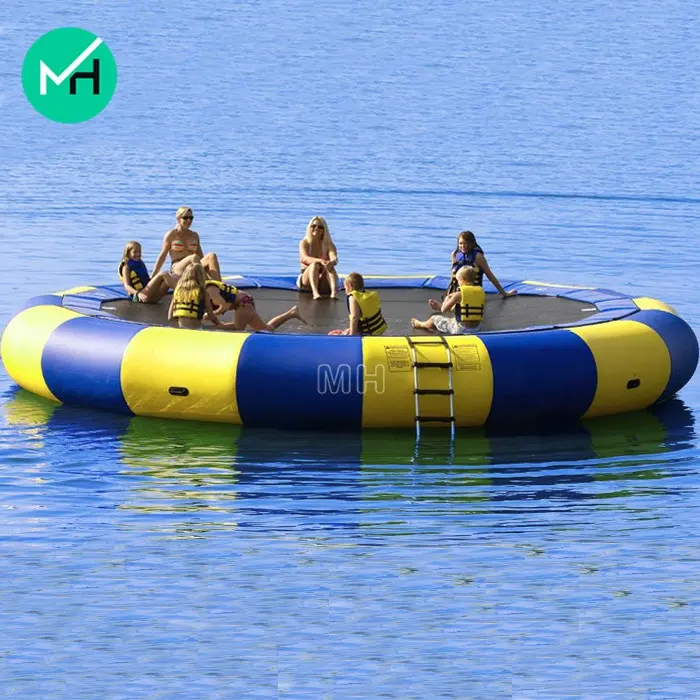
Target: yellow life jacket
[(227, 291), (371, 320), (471, 305), (188, 304)]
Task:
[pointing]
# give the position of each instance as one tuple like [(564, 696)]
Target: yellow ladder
[(435, 353)]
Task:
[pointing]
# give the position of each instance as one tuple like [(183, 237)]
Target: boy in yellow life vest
[(364, 308), (468, 304)]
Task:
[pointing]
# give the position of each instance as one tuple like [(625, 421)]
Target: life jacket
[(467, 259), (138, 273), (371, 320), (227, 291), (188, 304), (471, 305)]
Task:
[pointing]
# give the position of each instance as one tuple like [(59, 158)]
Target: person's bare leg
[(210, 262), (277, 321), (314, 277), (428, 325), (157, 288), (333, 282), (179, 267)]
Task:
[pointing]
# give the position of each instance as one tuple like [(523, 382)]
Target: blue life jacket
[(138, 273), (466, 260)]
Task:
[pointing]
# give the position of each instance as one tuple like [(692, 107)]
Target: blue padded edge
[(91, 299), (624, 304), (682, 344), (603, 317), (592, 296)]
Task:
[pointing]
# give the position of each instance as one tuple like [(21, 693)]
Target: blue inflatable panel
[(554, 375), (593, 296), (317, 386), (599, 318), (43, 300), (92, 298), (682, 345), (438, 282), (624, 304), (90, 379), (246, 281)]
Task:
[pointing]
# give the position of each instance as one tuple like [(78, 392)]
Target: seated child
[(470, 254), (190, 299), (226, 297), (137, 282), (364, 308), (464, 255), (468, 303)]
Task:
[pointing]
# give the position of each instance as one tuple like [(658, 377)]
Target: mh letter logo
[(69, 75)]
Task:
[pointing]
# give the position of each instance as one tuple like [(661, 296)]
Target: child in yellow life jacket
[(364, 308), (190, 300), (138, 284), (226, 296), (468, 303)]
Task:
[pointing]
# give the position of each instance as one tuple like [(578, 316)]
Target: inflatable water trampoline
[(551, 354)]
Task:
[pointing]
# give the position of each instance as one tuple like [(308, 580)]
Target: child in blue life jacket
[(137, 282), (468, 304), (364, 308), (224, 297), (469, 254)]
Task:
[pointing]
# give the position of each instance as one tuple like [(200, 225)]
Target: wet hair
[(326, 242), (192, 280), (356, 282), (128, 249), (467, 274), (469, 238), (183, 210)]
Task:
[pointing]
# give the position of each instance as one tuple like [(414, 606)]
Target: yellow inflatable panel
[(649, 304), (388, 382), (472, 380), (23, 345), (389, 400), (74, 290), (633, 366), (176, 373)]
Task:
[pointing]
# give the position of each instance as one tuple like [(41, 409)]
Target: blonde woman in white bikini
[(318, 257), (184, 247)]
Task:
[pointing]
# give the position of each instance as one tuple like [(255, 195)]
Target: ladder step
[(437, 392), (435, 419), (424, 342), (443, 365)]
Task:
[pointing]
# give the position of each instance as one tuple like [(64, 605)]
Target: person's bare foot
[(415, 323), (434, 304), (334, 296), (316, 296), (297, 314)]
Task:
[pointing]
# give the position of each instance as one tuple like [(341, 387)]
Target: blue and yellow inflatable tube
[(632, 353)]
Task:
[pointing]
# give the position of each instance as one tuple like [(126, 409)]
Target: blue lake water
[(148, 558)]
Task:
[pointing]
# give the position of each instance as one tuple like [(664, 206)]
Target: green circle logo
[(69, 75)]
